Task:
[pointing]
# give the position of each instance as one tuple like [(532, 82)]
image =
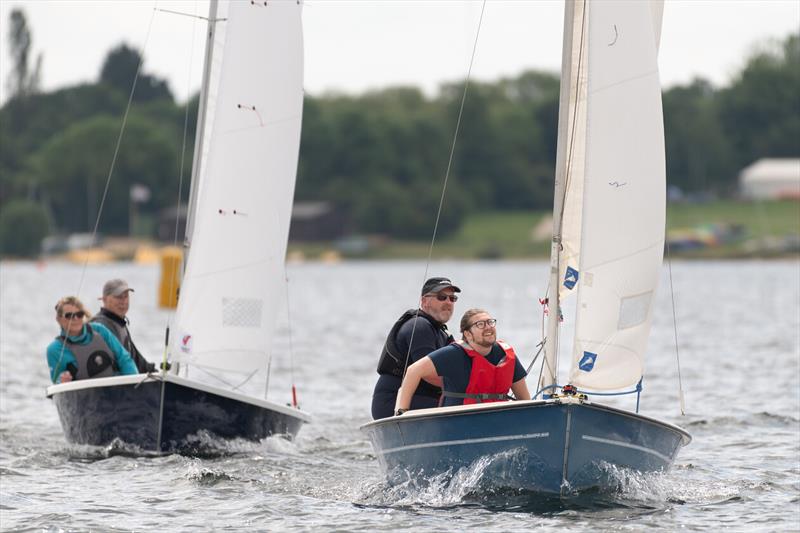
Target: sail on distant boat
[(246, 154)]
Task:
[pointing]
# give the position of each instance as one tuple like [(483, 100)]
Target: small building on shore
[(316, 221), (771, 179)]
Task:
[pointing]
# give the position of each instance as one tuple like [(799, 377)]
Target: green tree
[(23, 225), (74, 166), (698, 151), (24, 79), (26, 124), (120, 69), (760, 111)]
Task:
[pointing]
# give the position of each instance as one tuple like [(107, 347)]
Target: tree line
[(380, 158)]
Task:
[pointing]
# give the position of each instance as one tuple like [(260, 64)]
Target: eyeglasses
[(442, 297), (75, 314), (480, 324)]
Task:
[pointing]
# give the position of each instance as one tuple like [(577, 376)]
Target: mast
[(569, 73), (200, 132)]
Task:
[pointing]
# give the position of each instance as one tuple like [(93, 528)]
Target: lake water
[(739, 338)]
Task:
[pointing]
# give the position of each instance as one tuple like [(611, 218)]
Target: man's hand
[(65, 377)]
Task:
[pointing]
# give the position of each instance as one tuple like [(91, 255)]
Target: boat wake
[(495, 483)]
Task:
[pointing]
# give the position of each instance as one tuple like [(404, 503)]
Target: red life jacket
[(488, 382)]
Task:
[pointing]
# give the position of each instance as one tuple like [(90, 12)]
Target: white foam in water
[(662, 487), (447, 488), (206, 443)]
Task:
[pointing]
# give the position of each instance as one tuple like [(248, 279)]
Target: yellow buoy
[(171, 258)]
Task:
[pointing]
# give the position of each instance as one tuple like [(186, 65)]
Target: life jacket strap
[(478, 397)]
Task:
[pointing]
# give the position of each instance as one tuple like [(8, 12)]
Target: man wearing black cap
[(116, 301), (416, 333)]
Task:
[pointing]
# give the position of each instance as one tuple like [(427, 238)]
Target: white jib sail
[(623, 196), (233, 286), (575, 75)]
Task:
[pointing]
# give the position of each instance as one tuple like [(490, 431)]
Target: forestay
[(233, 284), (614, 204)]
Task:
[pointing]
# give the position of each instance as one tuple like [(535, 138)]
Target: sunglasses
[(442, 297), (75, 314)]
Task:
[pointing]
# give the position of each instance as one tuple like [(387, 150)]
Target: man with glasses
[(116, 301), (416, 333), (476, 369)]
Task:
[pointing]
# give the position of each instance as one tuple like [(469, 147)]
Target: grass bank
[(718, 229)]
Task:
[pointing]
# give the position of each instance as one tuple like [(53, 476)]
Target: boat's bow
[(553, 446)]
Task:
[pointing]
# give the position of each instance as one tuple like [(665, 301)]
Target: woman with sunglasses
[(83, 350), (478, 368)]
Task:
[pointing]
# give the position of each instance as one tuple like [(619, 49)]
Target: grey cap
[(116, 287), (437, 284)]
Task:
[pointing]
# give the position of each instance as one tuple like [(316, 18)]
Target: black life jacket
[(119, 330), (95, 359), (119, 327), (392, 361)]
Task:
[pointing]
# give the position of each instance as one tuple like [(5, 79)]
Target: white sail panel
[(234, 281), (622, 229), (574, 159), (657, 9)]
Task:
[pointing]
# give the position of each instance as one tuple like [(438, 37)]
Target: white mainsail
[(612, 229), (233, 285)]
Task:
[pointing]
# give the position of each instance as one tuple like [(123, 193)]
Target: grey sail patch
[(242, 312), (634, 310)]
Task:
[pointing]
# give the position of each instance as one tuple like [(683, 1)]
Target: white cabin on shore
[(771, 179)]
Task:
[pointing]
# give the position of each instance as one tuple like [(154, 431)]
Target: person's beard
[(484, 342)]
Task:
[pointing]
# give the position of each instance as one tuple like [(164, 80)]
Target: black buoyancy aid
[(392, 362), (120, 331), (487, 382), (119, 327), (95, 359)]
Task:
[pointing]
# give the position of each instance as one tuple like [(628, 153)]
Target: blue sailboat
[(608, 238)]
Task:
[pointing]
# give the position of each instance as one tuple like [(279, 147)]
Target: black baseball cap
[(437, 284)]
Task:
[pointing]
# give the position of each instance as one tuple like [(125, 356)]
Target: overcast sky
[(356, 45)]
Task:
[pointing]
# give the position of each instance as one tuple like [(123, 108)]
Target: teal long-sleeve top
[(59, 356)]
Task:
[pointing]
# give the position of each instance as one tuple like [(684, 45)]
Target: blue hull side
[(599, 436), (130, 413), (542, 446)]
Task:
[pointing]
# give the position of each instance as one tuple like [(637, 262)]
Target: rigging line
[(111, 168), (194, 15), (447, 173), (535, 357), (218, 378), (675, 331)]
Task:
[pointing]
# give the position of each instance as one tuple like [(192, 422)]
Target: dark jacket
[(119, 327)]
